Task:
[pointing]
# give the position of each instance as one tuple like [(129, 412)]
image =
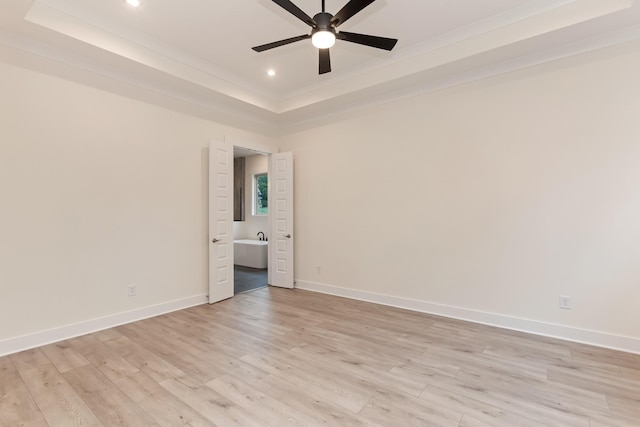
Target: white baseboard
[(25, 342), (599, 339)]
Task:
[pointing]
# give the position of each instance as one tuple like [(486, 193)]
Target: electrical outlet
[(565, 302), (318, 269), (132, 290)]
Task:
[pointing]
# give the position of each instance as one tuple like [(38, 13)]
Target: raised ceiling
[(199, 52)]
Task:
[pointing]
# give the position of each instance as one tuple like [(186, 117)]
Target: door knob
[(215, 241), (288, 236)]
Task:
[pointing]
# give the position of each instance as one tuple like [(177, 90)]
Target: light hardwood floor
[(276, 357)]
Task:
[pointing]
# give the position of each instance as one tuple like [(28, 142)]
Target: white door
[(220, 221), (281, 212)]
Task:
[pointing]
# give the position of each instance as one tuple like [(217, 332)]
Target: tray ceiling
[(199, 51)]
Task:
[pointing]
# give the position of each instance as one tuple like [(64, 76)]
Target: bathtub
[(250, 253)]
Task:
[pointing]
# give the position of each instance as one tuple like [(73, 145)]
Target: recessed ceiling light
[(133, 3), (271, 73)]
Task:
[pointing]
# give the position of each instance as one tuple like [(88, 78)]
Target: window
[(261, 194)]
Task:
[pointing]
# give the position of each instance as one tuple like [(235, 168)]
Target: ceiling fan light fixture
[(323, 39)]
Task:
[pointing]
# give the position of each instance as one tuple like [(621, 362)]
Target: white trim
[(396, 91), (567, 333), (26, 342)]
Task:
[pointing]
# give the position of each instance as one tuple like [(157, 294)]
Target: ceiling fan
[(323, 31)]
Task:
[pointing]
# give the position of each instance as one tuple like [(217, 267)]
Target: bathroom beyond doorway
[(255, 219)]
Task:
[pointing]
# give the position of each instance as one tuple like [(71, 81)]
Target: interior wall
[(98, 192), (253, 224), (496, 197)]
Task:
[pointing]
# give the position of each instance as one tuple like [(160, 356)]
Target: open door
[(281, 212), (220, 221)]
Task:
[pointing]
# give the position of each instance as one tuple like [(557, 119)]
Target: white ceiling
[(198, 51)]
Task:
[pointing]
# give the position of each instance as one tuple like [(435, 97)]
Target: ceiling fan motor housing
[(323, 23)]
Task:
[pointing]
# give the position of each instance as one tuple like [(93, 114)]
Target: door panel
[(281, 211), (220, 221)]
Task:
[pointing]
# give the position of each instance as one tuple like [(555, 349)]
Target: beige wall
[(97, 191), (494, 197), (249, 228)]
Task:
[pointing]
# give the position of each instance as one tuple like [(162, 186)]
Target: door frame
[(258, 148)]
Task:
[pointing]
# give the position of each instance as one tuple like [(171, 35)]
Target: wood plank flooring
[(276, 357)]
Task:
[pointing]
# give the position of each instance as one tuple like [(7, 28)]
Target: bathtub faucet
[(261, 238)]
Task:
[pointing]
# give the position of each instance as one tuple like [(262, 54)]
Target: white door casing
[(281, 212), (220, 221)]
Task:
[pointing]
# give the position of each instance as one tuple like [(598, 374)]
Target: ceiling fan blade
[(325, 62), (373, 41), (295, 11), (280, 43), (349, 9)]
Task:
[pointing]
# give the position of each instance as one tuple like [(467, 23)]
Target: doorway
[(279, 220), (251, 220)]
